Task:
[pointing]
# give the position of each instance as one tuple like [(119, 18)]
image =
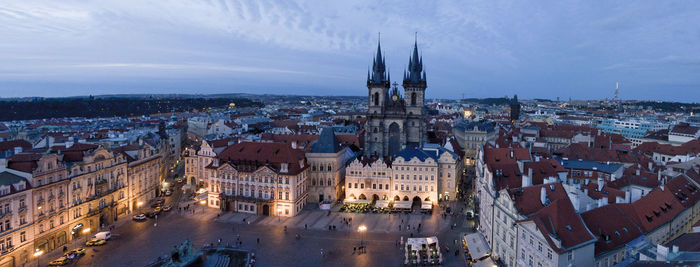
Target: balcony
[(22, 209), (51, 197), (7, 249)]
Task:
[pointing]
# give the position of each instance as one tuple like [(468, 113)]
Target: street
[(138, 243)]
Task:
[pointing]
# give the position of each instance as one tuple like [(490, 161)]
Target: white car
[(140, 217)]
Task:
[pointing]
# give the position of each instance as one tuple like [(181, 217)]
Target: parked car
[(150, 214), (179, 180), (161, 201), (78, 252), (157, 210), (470, 215), (155, 205), (140, 217), (59, 262), (95, 242), (167, 208)]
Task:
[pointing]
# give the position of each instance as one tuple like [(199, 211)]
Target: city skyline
[(576, 50)]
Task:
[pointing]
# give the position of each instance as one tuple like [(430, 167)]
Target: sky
[(536, 49)]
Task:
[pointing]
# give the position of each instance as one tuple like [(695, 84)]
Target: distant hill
[(107, 106)]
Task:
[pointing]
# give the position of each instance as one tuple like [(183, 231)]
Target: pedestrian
[(306, 227), (353, 250), (65, 249), (258, 241)]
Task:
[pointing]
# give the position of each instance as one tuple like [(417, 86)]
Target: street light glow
[(139, 204), (362, 228), (38, 252), (87, 230), (203, 202)]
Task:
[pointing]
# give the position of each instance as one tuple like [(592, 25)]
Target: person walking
[(258, 241)]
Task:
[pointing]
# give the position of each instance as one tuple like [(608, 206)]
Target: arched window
[(376, 98), (413, 99)]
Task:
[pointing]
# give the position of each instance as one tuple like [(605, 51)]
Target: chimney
[(637, 172), (649, 166), (511, 153), (18, 149), (543, 196), (600, 184), (294, 144)]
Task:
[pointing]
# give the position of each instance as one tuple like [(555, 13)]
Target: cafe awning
[(355, 201), (426, 205), (402, 204), (476, 245), (382, 204)]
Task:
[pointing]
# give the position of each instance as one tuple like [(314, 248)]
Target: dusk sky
[(536, 49)]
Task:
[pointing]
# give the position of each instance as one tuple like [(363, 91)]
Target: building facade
[(419, 175), (394, 123), (270, 179)]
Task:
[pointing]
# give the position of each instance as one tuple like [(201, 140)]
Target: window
[(286, 195), (362, 186), (22, 237)]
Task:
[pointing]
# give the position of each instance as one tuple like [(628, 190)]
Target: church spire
[(378, 74), (415, 73)]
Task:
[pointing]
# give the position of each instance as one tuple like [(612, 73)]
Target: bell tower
[(414, 84), (378, 83)]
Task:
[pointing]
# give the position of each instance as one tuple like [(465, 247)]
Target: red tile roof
[(544, 168), (559, 220), (253, 155), (503, 154), (10, 145), (653, 210), (527, 199), (690, 147), (611, 234)]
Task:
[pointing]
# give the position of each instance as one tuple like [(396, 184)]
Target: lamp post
[(37, 254), (362, 229), (85, 232)]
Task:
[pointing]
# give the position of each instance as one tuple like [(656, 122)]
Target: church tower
[(394, 121), (378, 84), (414, 84)]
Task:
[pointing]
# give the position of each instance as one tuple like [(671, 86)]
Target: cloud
[(491, 45)]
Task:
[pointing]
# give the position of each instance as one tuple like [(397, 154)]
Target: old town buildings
[(51, 197)]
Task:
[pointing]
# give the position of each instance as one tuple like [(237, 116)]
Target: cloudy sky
[(536, 49)]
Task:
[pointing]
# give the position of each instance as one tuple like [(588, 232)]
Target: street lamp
[(37, 254), (85, 232), (362, 229)]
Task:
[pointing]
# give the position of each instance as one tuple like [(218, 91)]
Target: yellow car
[(95, 242), (59, 262), (75, 253), (157, 209)]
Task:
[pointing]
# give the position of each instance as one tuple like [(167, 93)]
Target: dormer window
[(284, 167)]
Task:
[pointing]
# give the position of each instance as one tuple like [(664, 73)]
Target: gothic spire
[(415, 73), (378, 74)]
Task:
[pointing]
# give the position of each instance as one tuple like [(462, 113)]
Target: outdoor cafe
[(422, 251)]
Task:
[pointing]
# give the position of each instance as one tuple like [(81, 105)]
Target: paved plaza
[(138, 243)]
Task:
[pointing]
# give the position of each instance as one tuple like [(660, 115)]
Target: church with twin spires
[(395, 119)]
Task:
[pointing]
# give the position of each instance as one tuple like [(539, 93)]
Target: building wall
[(284, 195), (16, 233)]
